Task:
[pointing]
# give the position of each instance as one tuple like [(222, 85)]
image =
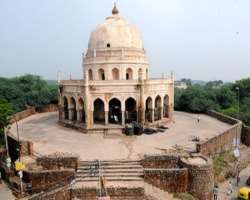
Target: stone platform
[(49, 137)]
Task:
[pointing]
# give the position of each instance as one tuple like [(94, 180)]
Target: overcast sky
[(198, 39)]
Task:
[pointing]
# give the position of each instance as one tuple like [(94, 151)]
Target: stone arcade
[(116, 88)]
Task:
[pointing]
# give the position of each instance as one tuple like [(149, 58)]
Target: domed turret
[(115, 32)]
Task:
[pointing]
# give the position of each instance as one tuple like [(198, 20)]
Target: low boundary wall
[(224, 141), (245, 137), (170, 180)]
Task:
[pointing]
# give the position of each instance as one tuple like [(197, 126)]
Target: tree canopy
[(27, 90), (217, 96)]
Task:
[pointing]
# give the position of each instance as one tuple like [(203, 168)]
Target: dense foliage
[(218, 96), (27, 90), (5, 113)]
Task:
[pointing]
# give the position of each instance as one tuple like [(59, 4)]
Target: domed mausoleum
[(116, 88)]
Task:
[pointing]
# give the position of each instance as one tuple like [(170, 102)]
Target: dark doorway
[(158, 108), (99, 114), (115, 111), (65, 108), (148, 110), (130, 110)]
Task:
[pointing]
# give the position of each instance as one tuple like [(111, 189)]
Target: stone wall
[(121, 193), (222, 142), (58, 161), (23, 114), (43, 180), (47, 108), (171, 180), (160, 161), (245, 136), (26, 147), (200, 176)]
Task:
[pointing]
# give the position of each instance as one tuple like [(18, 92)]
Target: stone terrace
[(49, 137)]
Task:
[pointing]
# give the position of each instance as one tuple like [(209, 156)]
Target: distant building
[(180, 84), (116, 88)]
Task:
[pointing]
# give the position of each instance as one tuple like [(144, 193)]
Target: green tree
[(5, 113)]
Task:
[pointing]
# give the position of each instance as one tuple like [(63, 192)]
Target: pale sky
[(197, 39)]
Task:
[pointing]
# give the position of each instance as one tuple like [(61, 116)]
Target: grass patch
[(184, 196), (222, 162)]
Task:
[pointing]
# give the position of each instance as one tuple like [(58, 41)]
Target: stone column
[(89, 122), (123, 118), (153, 115), (161, 110), (142, 113), (61, 113), (106, 117), (71, 113), (79, 115)]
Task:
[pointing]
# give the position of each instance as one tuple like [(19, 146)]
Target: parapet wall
[(171, 180), (224, 141), (121, 193), (43, 180), (245, 137), (160, 161), (23, 114), (54, 161)]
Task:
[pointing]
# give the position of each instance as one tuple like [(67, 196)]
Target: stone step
[(110, 171), (91, 167), (79, 179), (111, 175), (121, 162)]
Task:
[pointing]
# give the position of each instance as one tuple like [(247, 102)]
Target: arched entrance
[(130, 110), (129, 74), (166, 106), (114, 111), (81, 111), (65, 108), (99, 114), (158, 108), (73, 109), (115, 74), (148, 110)]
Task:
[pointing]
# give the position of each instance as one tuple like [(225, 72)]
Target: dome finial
[(115, 11)]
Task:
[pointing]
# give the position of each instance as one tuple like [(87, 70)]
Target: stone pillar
[(161, 110), (153, 115), (123, 118), (142, 113), (79, 115), (61, 113), (106, 117), (71, 113), (89, 122)]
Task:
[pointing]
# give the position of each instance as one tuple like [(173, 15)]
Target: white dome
[(115, 32)]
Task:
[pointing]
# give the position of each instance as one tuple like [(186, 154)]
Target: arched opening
[(140, 73), (166, 106), (146, 73), (157, 108), (114, 111), (101, 74), (99, 114), (115, 74), (129, 74), (81, 111), (148, 110), (130, 110), (90, 75), (73, 109), (65, 108)]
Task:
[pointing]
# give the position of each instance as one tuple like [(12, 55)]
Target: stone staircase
[(117, 173)]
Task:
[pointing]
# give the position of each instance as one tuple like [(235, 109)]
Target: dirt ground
[(49, 137)]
